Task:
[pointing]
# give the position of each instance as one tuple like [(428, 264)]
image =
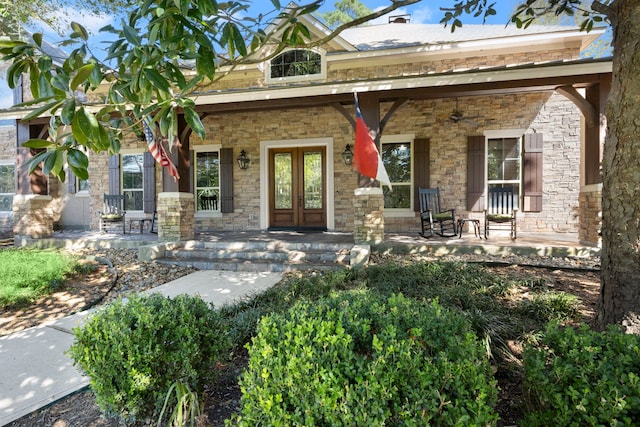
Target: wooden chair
[(501, 211), (434, 219), (209, 203), (113, 212)]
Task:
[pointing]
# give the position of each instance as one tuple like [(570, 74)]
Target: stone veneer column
[(368, 221), (33, 216), (590, 206), (176, 216)]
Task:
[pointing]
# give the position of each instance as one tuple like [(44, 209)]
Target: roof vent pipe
[(399, 19)]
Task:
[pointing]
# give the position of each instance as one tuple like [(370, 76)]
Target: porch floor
[(534, 244)]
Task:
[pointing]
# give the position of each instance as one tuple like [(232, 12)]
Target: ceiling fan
[(458, 116)]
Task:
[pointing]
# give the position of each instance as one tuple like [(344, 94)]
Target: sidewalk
[(35, 372)]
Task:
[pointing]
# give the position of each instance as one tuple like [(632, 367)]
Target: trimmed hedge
[(134, 351), (360, 359), (582, 377)]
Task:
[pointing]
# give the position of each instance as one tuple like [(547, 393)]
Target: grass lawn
[(28, 274)]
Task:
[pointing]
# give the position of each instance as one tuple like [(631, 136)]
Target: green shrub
[(582, 377), (360, 359), (134, 351)]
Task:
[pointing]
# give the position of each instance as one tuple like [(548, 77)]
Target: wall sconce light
[(243, 160), (347, 155)]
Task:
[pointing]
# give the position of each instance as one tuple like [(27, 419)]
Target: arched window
[(296, 63)]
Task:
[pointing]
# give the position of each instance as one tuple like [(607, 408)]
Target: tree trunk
[(620, 291)]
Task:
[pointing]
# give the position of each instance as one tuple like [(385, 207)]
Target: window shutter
[(532, 185), (149, 183), (420, 168), (475, 173), (226, 180), (114, 174), (71, 182)]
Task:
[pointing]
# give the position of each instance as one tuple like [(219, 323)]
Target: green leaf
[(131, 35), (82, 75), (80, 30), (194, 122), (157, 80), (77, 158), (81, 173), (52, 106), (78, 132), (35, 161), (14, 72), (37, 37), (37, 143), (68, 111), (88, 123), (205, 63)]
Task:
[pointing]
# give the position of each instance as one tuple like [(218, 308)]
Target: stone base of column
[(176, 216), (590, 208), (368, 222), (33, 216)]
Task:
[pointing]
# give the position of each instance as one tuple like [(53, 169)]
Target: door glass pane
[(132, 187), (312, 180), (283, 177)]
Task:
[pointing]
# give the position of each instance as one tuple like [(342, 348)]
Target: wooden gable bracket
[(397, 104), (588, 111)]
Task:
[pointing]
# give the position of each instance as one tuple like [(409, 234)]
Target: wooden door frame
[(265, 146)]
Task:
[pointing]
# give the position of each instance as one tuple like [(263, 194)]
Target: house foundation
[(368, 221), (176, 216)]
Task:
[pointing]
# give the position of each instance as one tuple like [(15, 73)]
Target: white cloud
[(90, 21)]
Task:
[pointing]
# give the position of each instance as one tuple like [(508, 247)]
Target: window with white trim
[(7, 186), (504, 163), (207, 178), (132, 179), (397, 158), (297, 64)]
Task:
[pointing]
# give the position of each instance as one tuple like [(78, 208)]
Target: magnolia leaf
[(77, 158), (82, 75), (37, 143), (52, 106), (80, 31), (194, 122), (81, 173), (88, 124), (157, 80), (37, 37), (68, 111)]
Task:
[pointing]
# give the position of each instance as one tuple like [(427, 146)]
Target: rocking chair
[(113, 212), (434, 219), (501, 211)]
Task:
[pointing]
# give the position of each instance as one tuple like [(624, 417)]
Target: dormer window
[(297, 64)]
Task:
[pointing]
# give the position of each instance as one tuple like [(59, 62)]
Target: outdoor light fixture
[(243, 160), (347, 155)]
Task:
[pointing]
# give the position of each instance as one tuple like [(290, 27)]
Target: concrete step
[(268, 256)]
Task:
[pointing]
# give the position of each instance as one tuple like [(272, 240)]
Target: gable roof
[(395, 35)]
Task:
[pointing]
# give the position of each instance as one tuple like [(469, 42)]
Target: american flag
[(154, 141)]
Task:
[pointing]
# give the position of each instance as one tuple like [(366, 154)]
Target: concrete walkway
[(35, 372)]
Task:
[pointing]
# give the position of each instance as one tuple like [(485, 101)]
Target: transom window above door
[(297, 64)]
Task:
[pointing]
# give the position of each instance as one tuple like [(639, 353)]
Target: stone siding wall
[(7, 155), (591, 212)]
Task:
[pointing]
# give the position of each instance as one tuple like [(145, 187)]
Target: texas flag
[(366, 158), (154, 141)]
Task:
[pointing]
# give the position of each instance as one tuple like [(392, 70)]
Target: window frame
[(518, 135), (206, 148), (12, 164), (301, 78), (131, 152), (408, 139)]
